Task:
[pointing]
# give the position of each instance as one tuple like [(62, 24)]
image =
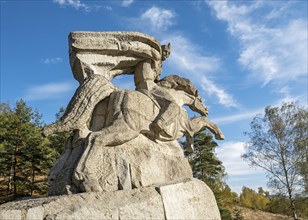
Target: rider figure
[(146, 74)]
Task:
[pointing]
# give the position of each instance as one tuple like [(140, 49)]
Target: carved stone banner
[(126, 140)]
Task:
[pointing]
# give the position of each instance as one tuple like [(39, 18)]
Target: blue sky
[(241, 55)]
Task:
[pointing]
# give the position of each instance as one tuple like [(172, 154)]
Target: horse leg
[(199, 122)]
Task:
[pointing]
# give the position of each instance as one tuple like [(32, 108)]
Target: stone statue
[(126, 140), (102, 115)]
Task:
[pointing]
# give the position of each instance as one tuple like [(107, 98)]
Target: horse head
[(190, 96)]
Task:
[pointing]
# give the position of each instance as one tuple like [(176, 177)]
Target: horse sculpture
[(131, 113)]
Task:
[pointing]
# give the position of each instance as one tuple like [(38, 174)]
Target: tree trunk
[(8, 189), (292, 205), (32, 181), (15, 175)]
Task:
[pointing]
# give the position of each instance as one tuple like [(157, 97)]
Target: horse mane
[(178, 83)]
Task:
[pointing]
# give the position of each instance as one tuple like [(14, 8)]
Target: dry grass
[(250, 214)]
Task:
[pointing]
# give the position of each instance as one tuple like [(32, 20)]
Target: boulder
[(189, 199)]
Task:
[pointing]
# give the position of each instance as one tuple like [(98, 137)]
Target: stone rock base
[(191, 199), (137, 163)]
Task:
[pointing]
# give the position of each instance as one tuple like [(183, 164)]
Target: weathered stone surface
[(92, 90), (60, 176), (188, 200), (191, 199), (139, 162), (143, 203), (112, 53), (35, 213), (10, 214)]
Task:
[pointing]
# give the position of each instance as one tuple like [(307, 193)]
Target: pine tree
[(205, 165), (25, 154), (58, 141), (208, 168)]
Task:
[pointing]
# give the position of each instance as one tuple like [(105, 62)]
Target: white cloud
[(48, 91), (158, 18), (52, 60), (126, 3), (187, 58), (272, 53), (277, 12), (238, 117), (223, 97), (249, 115), (108, 8), (287, 97), (230, 154), (73, 3), (186, 55)]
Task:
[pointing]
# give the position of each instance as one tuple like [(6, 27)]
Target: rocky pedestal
[(190, 199), (139, 162)]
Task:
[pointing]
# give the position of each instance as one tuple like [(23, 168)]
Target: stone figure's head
[(178, 83), (166, 50)]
